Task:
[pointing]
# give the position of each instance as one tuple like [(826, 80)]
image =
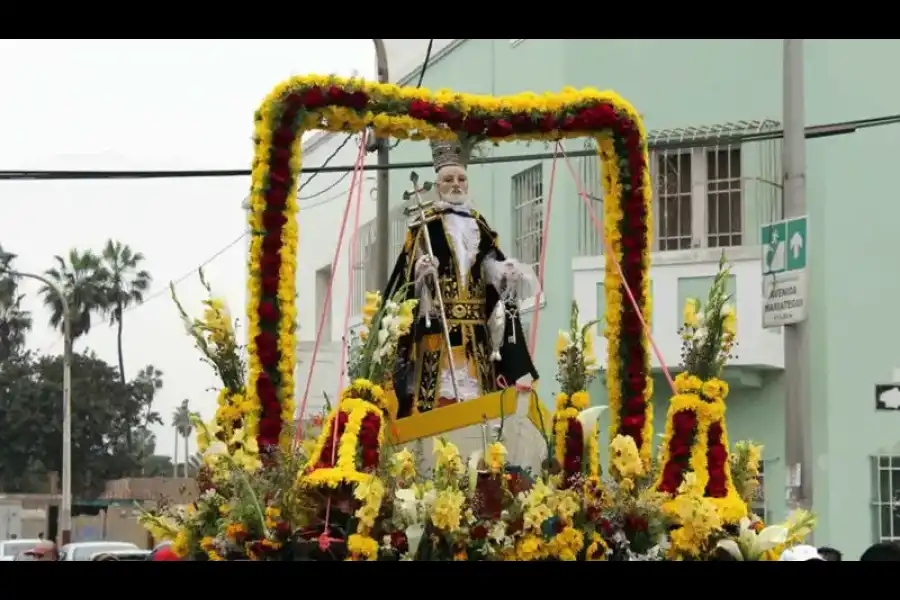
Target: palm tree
[(80, 278), (181, 421), (15, 322), (124, 284)]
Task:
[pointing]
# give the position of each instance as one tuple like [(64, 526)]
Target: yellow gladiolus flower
[(691, 308), (729, 322), (563, 340)]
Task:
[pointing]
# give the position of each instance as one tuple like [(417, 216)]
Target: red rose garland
[(684, 425), (633, 226), (716, 456), (574, 453)]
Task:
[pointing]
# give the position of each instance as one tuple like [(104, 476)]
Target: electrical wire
[(813, 132), (421, 77), (325, 164)]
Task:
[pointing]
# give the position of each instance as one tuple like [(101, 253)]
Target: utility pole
[(382, 202), (797, 421), (65, 516)]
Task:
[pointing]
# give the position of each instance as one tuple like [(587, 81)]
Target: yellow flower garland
[(731, 508), (612, 217), (345, 470), (567, 410), (286, 340), (384, 124)]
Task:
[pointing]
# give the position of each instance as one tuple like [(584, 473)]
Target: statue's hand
[(425, 263)]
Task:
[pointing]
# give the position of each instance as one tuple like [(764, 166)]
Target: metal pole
[(797, 422), (382, 202), (65, 516)]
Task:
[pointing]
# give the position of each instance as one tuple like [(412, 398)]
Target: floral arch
[(321, 102)]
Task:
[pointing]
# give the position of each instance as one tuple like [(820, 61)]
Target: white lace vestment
[(465, 236)]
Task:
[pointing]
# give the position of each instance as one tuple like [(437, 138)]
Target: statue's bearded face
[(453, 184)]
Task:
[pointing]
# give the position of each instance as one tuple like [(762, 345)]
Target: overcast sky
[(142, 105)]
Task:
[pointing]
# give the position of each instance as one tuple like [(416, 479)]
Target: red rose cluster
[(684, 426), (716, 457), (596, 117), (574, 453), (634, 247), (274, 218), (368, 441), (329, 451)]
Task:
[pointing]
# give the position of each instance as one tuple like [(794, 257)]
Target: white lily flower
[(413, 537), (590, 419), (749, 545), (474, 459), (407, 505)]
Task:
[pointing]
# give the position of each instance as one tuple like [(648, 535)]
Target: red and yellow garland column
[(628, 226), (271, 309)]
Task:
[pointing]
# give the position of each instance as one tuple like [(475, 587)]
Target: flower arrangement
[(355, 502), (304, 103), (696, 440), (576, 369), (244, 510), (347, 453)]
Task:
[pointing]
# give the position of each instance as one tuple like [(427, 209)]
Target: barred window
[(363, 267), (674, 193), (528, 214), (723, 198), (758, 504), (886, 503)]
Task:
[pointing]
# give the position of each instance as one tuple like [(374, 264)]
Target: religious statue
[(467, 339)]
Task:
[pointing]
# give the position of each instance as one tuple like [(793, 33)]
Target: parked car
[(9, 549), (83, 551), (116, 555)]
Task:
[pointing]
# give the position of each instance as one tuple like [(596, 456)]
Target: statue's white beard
[(460, 199)]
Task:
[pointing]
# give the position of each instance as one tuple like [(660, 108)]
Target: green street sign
[(796, 241), (784, 246)]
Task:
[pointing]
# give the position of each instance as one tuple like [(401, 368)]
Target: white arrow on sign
[(796, 244)]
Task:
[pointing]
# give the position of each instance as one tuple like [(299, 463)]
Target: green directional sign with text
[(796, 243), (784, 246)]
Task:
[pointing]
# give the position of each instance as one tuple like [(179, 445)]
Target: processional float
[(449, 317)]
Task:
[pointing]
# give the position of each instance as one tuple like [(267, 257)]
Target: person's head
[(450, 167), (800, 553), (885, 551), (830, 554)]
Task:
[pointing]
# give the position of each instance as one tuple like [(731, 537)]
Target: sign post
[(784, 278)]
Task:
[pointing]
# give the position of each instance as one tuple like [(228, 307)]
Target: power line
[(813, 132), (325, 163), (816, 131)]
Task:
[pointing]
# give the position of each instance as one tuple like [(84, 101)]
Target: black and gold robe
[(422, 354)]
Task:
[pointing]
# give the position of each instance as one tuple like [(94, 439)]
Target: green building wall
[(853, 320)]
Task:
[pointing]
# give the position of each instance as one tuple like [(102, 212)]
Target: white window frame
[(699, 196), (516, 42), (889, 502)]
